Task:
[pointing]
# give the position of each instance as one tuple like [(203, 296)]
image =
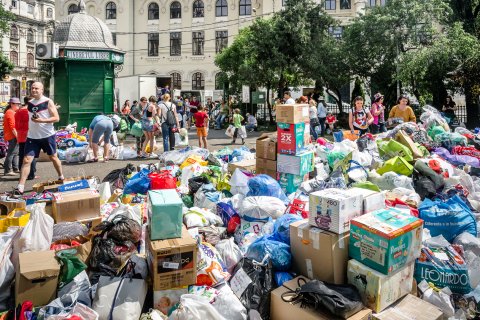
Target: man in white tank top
[(41, 134)]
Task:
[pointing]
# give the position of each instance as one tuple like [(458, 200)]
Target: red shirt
[(21, 124), (9, 124), (331, 119), (200, 119)]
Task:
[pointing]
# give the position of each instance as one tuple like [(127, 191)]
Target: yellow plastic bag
[(192, 160)]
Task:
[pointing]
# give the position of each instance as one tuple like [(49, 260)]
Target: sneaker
[(11, 173), (16, 170), (16, 193), (153, 156)]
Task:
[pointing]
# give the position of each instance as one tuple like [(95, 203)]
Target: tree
[(5, 18)]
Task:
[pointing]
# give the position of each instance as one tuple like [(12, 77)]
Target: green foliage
[(5, 65), (5, 18), (357, 90)]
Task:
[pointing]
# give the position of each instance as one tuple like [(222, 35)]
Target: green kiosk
[(85, 68)]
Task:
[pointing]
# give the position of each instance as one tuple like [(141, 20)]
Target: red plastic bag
[(162, 180), (397, 203)]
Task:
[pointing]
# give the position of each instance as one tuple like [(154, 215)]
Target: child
[(201, 122), (237, 123), (331, 120)]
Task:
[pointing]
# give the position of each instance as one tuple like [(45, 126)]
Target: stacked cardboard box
[(266, 153), (294, 161)]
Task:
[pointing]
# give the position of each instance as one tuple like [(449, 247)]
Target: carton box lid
[(162, 197), (267, 138), (335, 194), (411, 307), (38, 264), (185, 241), (388, 223), (68, 196)]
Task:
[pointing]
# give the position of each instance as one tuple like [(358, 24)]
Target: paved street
[(217, 140)]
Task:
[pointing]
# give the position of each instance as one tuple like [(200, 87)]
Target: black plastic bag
[(122, 230), (424, 186), (196, 183), (341, 300), (257, 295), (102, 252), (118, 177)]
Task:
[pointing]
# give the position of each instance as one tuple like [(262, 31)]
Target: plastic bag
[(211, 269), (228, 305), (439, 298), (212, 234), (71, 266), (242, 132), (264, 185), (105, 192), (239, 182), (197, 217), (192, 159), (457, 159), (391, 148), (7, 269), (449, 218), (207, 197), (122, 230), (193, 307), (281, 228), (230, 217), (390, 180), (230, 253), (162, 180), (261, 208), (230, 131), (38, 233), (127, 154), (195, 183), (75, 155), (282, 277), (432, 117), (136, 129), (139, 183), (398, 165), (278, 252)]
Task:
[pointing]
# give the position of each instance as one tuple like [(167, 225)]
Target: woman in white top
[(312, 113)]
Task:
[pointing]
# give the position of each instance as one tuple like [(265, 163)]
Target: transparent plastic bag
[(230, 253), (261, 208), (432, 117), (264, 185), (38, 233)]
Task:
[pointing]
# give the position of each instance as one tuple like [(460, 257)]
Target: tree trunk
[(269, 105), (472, 105)]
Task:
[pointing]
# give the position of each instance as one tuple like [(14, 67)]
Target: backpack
[(170, 119)]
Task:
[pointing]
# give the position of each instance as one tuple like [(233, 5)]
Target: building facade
[(33, 24), (179, 39)]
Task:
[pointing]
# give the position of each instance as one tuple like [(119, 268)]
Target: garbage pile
[(382, 227)]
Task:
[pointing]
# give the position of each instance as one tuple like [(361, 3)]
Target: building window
[(221, 40), (14, 57), (30, 9), (345, 4), (175, 43), (49, 13), (198, 82), (15, 88), (175, 10), (221, 8), (336, 32), (198, 9), (176, 80), (72, 9), (49, 37), (371, 3), (219, 81), (14, 32), (153, 13), (114, 38), (30, 36), (245, 7), (153, 40), (111, 11), (29, 87), (14, 3), (30, 60), (330, 4), (198, 40)]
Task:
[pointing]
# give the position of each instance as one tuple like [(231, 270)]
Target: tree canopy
[(5, 18)]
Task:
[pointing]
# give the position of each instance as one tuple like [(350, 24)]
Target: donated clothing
[(98, 119), (39, 130), (407, 115), (9, 124)]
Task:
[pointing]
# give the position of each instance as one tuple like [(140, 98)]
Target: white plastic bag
[(262, 207), (75, 155), (128, 153), (229, 252), (239, 183), (105, 192), (197, 217), (7, 270), (37, 234), (440, 299), (127, 211), (193, 307), (242, 132), (230, 131), (228, 305)]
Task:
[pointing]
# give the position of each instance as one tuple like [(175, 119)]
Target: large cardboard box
[(372, 200), (245, 165), (290, 182), (319, 254), (266, 147), (8, 204), (410, 308), (379, 291), (266, 166), (36, 277), (165, 214), (173, 262), (386, 240), (292, 113), (292, 138), (299, 164), (76, 205), (281, 310), (332, 209)]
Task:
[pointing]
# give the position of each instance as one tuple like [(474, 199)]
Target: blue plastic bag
[(282, 277), (226, 212), (449, 218), (281, 228), (139, 183), (279, 252), (264, 185)]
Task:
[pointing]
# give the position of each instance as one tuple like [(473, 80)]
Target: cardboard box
[(245, 165), (83, 250), (74, 185), (319, 254), (266, 147), (410, 308), (292, 138), (332, 209), (299, 164), (36, 277), (165, 214), (76, 205), (379, 291), (266, 166), (386, 240), (372, 200), (281, 310), (165, 300), (173, 262), (292, 113), (8, 204), (290, 182)]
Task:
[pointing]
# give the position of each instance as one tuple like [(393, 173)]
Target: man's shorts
[(201, 131), (33, 146)]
